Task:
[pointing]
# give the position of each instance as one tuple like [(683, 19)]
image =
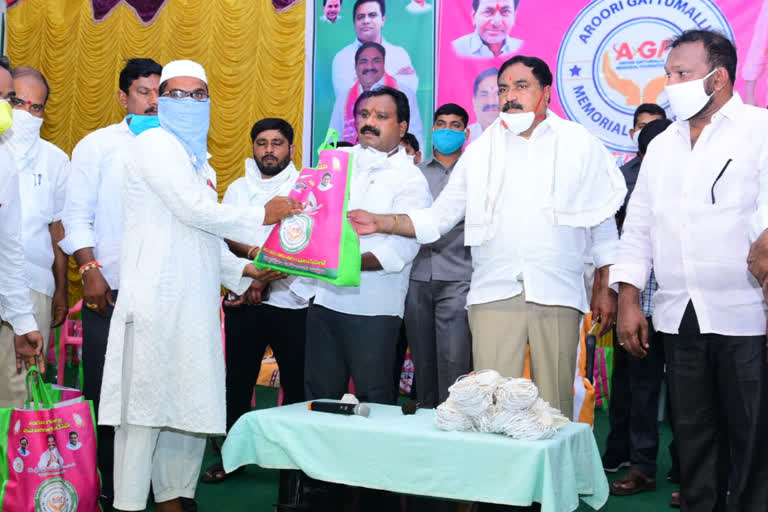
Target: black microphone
[(340, 408)]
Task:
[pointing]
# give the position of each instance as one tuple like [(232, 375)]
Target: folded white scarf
[(585, 191)]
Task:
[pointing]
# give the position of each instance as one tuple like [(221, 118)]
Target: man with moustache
[(493, 21), (42, 170), (93, 224), (536, 193), (370, 65), (485, 101), (368, 17), (268, 313)]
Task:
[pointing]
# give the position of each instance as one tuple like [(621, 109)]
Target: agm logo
[(612, 60)]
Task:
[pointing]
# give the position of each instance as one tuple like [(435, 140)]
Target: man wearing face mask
[(701, 196), (412, 147), (269, 313), (532, 190), (93, 224), (370, 69), (435, 315), (163, 385), (15, 304), (42, 170)]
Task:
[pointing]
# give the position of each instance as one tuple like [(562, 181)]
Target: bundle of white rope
[(487, 402)]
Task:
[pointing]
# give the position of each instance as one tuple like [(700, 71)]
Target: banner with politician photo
[(607, 56), (361, 45)]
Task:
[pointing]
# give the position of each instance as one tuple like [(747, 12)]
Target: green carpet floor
[(255, 489)]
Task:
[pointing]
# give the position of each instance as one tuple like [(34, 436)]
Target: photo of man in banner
[(390, 46)]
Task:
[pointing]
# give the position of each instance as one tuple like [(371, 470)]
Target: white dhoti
[(169, 459)]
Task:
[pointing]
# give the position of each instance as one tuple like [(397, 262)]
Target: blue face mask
[(448, 141), (188, 119), (140, 124)]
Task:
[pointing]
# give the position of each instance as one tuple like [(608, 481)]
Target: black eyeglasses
[(197, 94)]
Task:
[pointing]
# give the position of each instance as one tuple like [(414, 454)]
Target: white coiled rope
[(484, 401)]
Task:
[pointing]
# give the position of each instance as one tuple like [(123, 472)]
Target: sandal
[(674, 501), (215, 473), (634, 482)]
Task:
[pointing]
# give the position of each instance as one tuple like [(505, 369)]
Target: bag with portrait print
[(48, 453), (319, 242)]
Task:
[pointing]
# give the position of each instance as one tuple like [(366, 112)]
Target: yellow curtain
[(254, 58)]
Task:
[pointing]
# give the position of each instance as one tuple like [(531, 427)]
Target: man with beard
[(93, 224), (485, 101), (536, 193), (42, 170), (331, 9), (268, 313), (164, 381), (370, 65)]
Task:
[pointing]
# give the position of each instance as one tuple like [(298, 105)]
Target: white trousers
[(170, 459)]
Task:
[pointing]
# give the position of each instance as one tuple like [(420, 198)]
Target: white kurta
[(172, 266)]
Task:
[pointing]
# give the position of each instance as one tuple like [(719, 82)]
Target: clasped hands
[(261, 279)]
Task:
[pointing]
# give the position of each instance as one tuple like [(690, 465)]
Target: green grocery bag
[(320, 241)]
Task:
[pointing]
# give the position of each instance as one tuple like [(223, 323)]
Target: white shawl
[(586, 185)]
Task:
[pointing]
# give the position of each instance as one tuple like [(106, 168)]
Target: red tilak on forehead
[(29, 102)]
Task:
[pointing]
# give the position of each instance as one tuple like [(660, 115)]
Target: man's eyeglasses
[(197, 94), (21, 103)]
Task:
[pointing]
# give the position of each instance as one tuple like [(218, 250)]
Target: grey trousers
[(437, 329)]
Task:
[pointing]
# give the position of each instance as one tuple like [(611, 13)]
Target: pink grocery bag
[(48, 454), (318, 242)]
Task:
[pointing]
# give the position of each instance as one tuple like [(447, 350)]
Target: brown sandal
[(634, 482), (674, 501)]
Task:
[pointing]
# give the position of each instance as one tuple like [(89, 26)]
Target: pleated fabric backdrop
[(253, 55)]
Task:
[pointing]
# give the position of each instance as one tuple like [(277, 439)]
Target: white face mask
[(370, 158), (686, 99), (6, 117), (636, 138), (24, 136), (517, 123)]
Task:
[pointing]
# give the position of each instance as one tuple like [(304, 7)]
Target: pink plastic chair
[(71, 336)]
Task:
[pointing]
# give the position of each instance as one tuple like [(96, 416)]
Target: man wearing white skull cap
[(163, 386)]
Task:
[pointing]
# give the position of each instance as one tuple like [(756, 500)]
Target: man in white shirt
[(369, 16), (93, 224), (354, 331), (701, 196), (331, 9), (533, 190), (268, 313), (163, 384), (370, 64), (485, 101), (42, 170), (74, 443), (15, 305), (50, 460), (418, 7), (493, 21)]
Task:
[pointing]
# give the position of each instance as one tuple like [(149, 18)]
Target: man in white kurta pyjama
[(163, 386)]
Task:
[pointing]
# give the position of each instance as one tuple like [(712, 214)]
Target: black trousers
[(95, 335), (635, 389), (249, 329), (717, 386), (340, 345)]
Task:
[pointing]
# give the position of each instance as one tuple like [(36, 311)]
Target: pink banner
[(607, 57)]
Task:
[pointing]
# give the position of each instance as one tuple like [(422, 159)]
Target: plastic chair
[(72, 336)]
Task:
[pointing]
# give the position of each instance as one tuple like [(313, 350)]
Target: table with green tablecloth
[(408, 454)]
